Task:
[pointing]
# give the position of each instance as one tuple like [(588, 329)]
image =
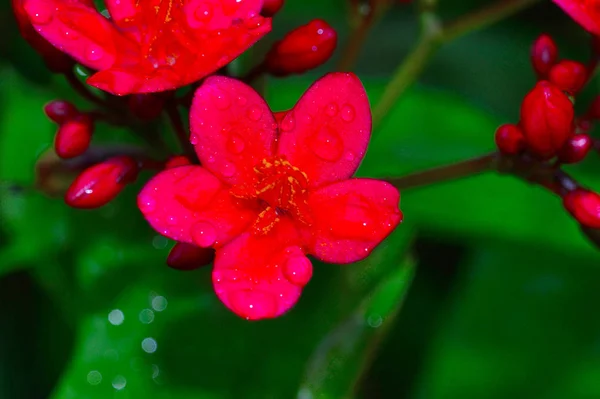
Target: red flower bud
[(58, 111), (569, 76), (543, 55), (271, 7), (302, 49), (177, 161), (146, 106), (546, 119), (584, 205), (101, 183), (74, 136), (576, 148), (56, 60), (189, 257), (510, 139)]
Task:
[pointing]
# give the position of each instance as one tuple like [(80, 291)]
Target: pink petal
[(121, 10), (327, 132), (351, 218), (585, 13), (122, 81), (261, 277), (191, 205), (219, 14), (232, 127), (79, 30)]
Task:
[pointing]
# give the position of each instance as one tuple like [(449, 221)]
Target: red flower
[(269, 193), (585, 12), (152, 45)]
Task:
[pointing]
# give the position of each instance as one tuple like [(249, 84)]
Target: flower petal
[(261, 277), (326, 134), (191, 205), (122, 81), (351, 218), (586, 13), (121, 10), (232, 128), (80, 31), (219, 14)]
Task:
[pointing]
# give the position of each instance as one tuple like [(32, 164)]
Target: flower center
[(280, 189)]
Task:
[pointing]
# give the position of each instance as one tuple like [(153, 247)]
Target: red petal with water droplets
[(351, 218), (261, 277), (121, 10), (585, 13), (232, 128), (79, 30), (219, 14), (326, 134), (191, 205)]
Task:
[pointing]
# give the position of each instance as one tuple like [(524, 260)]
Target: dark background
[(487, 290)]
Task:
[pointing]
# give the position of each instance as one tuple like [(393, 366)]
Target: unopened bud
[(302, 49), (59, 111), (584, 205), (543, 55), (569, 76), (546, 119), (74, 136), (576, 148), (101, 183), (510, 139)]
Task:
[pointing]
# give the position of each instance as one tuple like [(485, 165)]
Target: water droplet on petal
[(147, 204), (242, 100), (350, 156), (40, 13), (331, 109), (348, 113), (228, 170), (204, 234), (194, 139), (235, 144), (172, 220), (253, 304), (326, 144), (203, 12), (289, 122), (254, 23), (69, 34), (222, 101), (254, 113), (307, 119), (298, 270), (94, 53)]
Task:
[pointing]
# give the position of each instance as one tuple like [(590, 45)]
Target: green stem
[(434, 35), (440, 174)]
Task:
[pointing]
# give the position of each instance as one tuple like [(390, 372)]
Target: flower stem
[(440, 174), (433, 35), (83, 90)]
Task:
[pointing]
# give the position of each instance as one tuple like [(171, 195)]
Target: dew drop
[(204, 234), (254, 113), (298, 270), (39, 13), (203, 12), (254, 23), (69, 34), (289, 122), (348, 113), (331, 109), (93, 53), (326, 144), (228, 170), (235, 144), (172, 220), (253, 304), (350, 156), (222, 101), (194, 139), (242, 100)]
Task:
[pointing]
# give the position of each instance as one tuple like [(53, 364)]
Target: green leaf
[(342, 357)]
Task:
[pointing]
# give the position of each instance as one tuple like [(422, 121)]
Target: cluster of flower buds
[(75, 128), (549, 133)]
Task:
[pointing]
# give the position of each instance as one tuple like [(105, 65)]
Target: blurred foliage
[(503, 293)]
